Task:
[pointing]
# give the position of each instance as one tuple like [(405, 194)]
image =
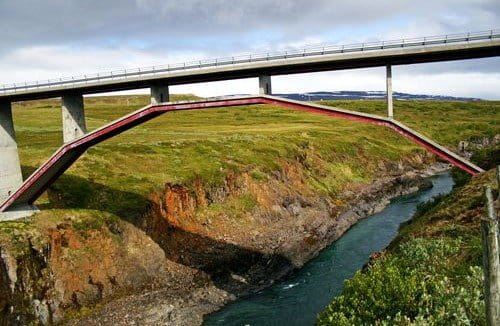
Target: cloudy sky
[(55, 38)]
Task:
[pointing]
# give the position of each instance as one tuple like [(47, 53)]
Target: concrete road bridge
[(17, 196)]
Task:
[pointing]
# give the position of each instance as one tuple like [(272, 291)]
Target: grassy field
[(117, 175), (445, 122)]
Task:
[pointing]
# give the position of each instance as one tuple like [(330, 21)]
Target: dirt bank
[(196, 249)]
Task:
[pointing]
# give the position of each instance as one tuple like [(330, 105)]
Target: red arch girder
[(66, 155)]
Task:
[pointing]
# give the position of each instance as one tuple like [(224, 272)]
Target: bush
[(487, 158), (413, 286), (460, 177)]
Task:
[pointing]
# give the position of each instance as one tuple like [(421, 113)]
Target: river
[(298, 298)]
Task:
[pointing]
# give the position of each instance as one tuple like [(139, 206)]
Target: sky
[(59, 38)]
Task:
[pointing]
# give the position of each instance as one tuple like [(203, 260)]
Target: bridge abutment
[(159, 94), (390, 113), (265, 85), (73, 117)]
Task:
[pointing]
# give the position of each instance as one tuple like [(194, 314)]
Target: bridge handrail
[(314, 50)]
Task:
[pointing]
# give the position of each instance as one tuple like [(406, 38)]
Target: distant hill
[(369, 95)]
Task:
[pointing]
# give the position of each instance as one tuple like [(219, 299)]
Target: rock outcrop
[(58, 264)]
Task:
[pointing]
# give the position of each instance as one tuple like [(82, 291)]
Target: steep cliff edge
[(277, 214)]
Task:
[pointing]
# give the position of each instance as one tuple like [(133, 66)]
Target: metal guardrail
[(125, 74)]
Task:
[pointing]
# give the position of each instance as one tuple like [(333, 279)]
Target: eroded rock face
[(287, 225), (62, 264)]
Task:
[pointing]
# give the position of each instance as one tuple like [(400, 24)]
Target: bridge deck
[(326, 58), (62, 159)]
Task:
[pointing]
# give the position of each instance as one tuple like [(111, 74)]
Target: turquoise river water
[(298, 298)]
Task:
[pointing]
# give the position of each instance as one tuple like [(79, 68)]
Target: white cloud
[(43, 62)]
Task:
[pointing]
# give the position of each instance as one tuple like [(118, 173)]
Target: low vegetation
[(431, 274)]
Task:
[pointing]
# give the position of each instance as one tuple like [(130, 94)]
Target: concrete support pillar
[(389, 92), (10, 167), (159, 94), (73, 117), (265, 85)]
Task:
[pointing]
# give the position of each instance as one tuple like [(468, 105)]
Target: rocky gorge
[(198, 247)]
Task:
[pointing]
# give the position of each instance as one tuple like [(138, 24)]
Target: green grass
[(118, 175), (445, 122)]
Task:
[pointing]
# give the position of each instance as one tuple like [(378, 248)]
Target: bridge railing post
[(491, 264)]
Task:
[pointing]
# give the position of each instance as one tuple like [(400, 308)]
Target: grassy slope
[(432, 273), (117, 175)]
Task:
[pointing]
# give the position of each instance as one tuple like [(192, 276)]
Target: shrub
[(413, 286)]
